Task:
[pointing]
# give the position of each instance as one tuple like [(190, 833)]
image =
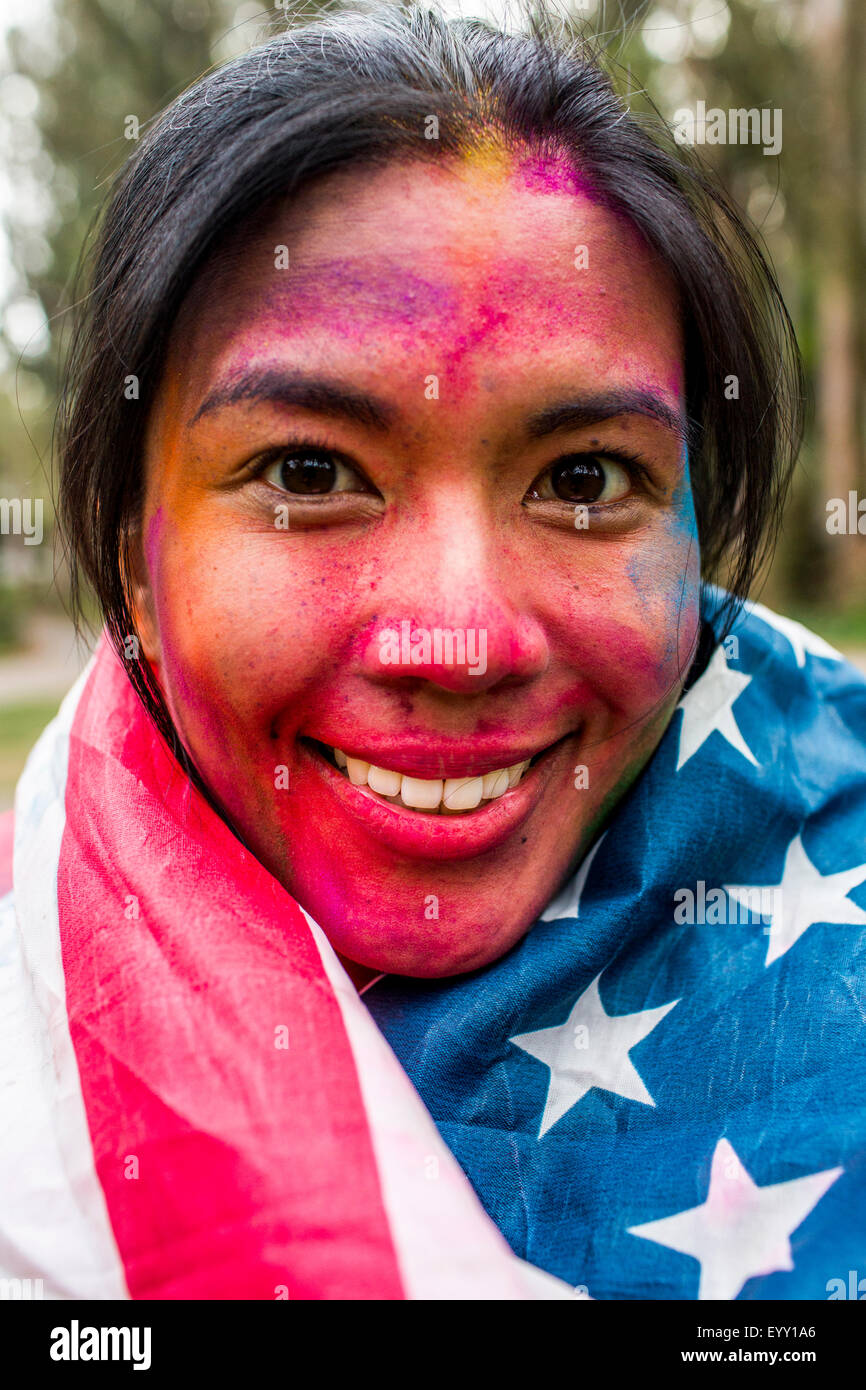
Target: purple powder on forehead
[(555, 173)]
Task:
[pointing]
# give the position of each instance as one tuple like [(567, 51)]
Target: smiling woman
[(439, 511), (399, 446)]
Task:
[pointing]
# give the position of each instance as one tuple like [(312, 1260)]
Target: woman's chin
[(425, 933), (433, 952)]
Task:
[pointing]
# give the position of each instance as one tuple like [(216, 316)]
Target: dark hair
[(358, 87)]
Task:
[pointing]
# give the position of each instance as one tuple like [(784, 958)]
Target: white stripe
[(447, 1246), (54, 1223)]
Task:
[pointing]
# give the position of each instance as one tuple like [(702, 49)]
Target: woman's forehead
[(454, 262)]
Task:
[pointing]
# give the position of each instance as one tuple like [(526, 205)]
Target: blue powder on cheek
[(650, 568), (686, 593)]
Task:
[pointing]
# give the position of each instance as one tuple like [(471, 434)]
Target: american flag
[(194, 1101), (660, 1092)]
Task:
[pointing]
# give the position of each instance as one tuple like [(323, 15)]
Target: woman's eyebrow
[(297, 388), (333, 397), (606, 405)]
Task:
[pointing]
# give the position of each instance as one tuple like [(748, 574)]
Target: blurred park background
[(73, 73)]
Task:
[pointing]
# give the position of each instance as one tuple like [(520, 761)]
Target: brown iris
[(307, 473), (578, 479)]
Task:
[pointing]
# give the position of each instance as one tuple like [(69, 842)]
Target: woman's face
[(416, 491)]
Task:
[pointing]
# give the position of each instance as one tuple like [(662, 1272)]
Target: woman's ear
[(141, 599)]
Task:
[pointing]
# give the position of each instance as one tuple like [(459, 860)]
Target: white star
[(741, 1230), (567, 903), (801, 639), (590, 1049), (803, 898), (707, 706)]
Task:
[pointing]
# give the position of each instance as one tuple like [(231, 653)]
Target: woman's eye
[(312, 472), (583, 478)]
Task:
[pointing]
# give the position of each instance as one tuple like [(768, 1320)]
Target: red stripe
[(255, 1166)]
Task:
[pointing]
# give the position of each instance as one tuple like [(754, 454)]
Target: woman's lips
[(426, 834)]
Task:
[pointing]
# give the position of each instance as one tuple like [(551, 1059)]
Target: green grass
[(841, 629), (20, 726)]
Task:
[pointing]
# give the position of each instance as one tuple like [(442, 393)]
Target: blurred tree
[(804, 58), (85, 77), (103, 69)]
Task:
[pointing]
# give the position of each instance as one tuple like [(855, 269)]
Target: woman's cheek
[(628, 626), (237, 636), (663, 589)]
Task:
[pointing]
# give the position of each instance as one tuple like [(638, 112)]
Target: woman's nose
[(453, 614)]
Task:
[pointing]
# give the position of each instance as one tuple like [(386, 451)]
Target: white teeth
[(462, 793), (454, 794), (421, 794), (386, 783), (494, 784)]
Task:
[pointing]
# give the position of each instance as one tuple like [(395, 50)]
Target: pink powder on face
[(270, 639), (488, 321), (351, 297), (555, 173)]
